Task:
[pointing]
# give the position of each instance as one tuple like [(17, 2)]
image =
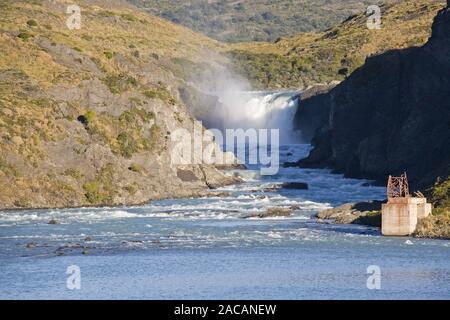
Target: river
[(207, 249), (204, 248)]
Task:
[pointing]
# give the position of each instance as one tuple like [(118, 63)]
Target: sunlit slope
[(86, 115), (254, 20), (310, 58)]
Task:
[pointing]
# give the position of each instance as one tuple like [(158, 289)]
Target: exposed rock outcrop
[(313, 110), (366, 213), (391, 115)]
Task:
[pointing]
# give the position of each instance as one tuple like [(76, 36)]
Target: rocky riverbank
[(365, 213), (436, 226)]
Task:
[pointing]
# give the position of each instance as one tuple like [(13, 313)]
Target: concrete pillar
[(399, 216), (423, 209)]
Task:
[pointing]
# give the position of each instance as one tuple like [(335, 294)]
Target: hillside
[(391, 115), (86, 115), (254, 20), (311, 58)]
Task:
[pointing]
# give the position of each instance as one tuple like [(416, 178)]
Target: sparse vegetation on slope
[(78, 108), (311, 58), (254, 20)]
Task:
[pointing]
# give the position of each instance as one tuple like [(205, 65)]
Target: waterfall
[(261, 110)]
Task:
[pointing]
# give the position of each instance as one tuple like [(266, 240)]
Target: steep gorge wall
[(391, 115)]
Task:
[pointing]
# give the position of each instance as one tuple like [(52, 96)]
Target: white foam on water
[(65, 216), (262, 110), (205, 222)]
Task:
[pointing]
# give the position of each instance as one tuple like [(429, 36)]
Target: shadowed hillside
[(391, 115)]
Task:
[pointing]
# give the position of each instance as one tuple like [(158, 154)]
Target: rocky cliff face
[(313, 110), (86, 116), (392, 115)]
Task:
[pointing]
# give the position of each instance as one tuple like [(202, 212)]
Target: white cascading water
[(262, 110)]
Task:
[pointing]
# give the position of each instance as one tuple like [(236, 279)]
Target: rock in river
[(272, 212), (367, 213)]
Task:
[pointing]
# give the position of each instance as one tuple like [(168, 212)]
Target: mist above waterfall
[(237, 107), (264, 110)]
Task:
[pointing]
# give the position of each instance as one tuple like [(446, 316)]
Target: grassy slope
[(118, 48), (103, 29), (254, 20), (311, 58)]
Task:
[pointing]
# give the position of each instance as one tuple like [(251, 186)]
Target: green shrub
[(120, 83), (74, 173), (441, 211), (25, 36), (160, 93), (132, 188), (135, 168), (102, 189), (128, 17), (440, 193), (130, 118), (155, 133), (108, 55), (127, 143), (92, 192), (9, 169), (106, 13), (89, 116), (22, 203), (32, 23)]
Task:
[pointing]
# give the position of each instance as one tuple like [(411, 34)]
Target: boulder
[(366, 213), (32, 244), (272, 212)]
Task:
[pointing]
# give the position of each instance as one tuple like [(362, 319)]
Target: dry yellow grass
[(119, 29), (47, 78)]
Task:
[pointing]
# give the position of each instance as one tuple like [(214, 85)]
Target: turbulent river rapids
[(207, 248)]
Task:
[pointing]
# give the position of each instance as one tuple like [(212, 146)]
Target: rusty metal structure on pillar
[(398, 187)]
